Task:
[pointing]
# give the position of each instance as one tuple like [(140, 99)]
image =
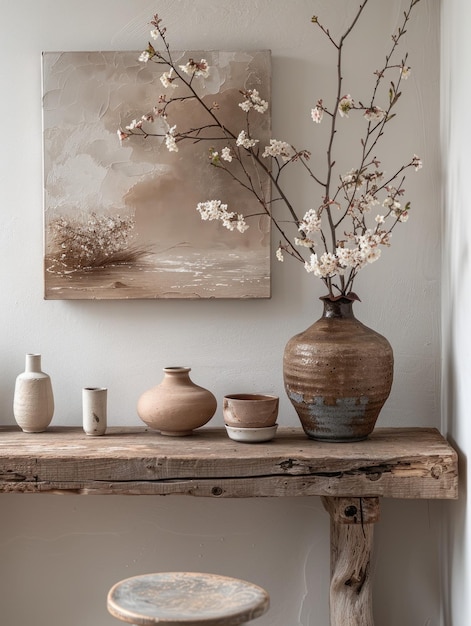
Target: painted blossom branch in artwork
[(356, 210), (90, 241)]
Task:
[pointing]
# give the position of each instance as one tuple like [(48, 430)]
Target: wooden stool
[(186, 598)]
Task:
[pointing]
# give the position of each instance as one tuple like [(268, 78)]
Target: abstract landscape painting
[(120, 219)]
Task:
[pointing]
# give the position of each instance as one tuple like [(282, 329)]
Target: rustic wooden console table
[(351, 478)]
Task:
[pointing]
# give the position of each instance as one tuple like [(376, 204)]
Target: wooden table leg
[(351, 544)]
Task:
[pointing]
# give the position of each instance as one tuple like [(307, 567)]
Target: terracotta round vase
[(33, 403), (177, 406), (338, 374)]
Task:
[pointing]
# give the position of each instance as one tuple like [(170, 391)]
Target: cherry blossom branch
[(346, 249)]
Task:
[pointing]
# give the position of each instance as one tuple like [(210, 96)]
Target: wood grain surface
[(392, 462), (189, 598)]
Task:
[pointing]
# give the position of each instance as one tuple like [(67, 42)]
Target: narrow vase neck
[(341, 308), (177, 370), (177, 375), (33, 363)]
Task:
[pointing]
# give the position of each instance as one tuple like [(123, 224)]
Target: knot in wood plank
[(352, 510)]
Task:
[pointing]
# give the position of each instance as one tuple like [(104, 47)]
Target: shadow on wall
[(402, 553), (86, 545)]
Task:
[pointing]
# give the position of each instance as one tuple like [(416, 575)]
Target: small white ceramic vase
[(33, 403), (94, 410)]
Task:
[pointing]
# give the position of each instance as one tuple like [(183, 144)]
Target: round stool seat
[(187, 598)]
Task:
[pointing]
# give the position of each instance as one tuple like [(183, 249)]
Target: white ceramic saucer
[(251, 435)]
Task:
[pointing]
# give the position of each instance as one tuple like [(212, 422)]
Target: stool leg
[(351, 544)]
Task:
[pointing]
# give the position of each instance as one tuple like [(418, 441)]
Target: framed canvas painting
[(120, 218)]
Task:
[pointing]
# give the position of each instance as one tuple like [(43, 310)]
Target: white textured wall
[(58, 556), (456, 93)]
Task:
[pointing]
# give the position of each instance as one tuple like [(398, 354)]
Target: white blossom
[(364, 203), (279, 254), (368, 244), (253, 101), (353, 178), (311, 222), (364, 240), (167, 80), (244, 141), (367, 249), (262, 107), (278, 148), (346, 103), (416, 162), (122, 135), (241, 226), (196, 69), (324, 267), (375, 114), (226, 154), (317, 114), (134, 124), (405, 71), (144, 56), (312, 265), (246, 105), (345, 257), (211, 209), (154, 33), (373, 254), (170, 140), (216, 210), (354, 258)]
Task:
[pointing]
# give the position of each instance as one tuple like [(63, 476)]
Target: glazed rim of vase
[(254, 397), (95, 388), (177, 368)]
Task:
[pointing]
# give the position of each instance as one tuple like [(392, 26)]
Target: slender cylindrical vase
[(33, 402), (94, 410)]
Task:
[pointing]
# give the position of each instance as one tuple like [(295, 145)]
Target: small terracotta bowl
[(250, 410)]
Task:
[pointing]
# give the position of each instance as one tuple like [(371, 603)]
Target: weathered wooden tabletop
[(393, 462)]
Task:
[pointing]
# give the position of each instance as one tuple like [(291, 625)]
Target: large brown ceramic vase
[(338, 374)]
